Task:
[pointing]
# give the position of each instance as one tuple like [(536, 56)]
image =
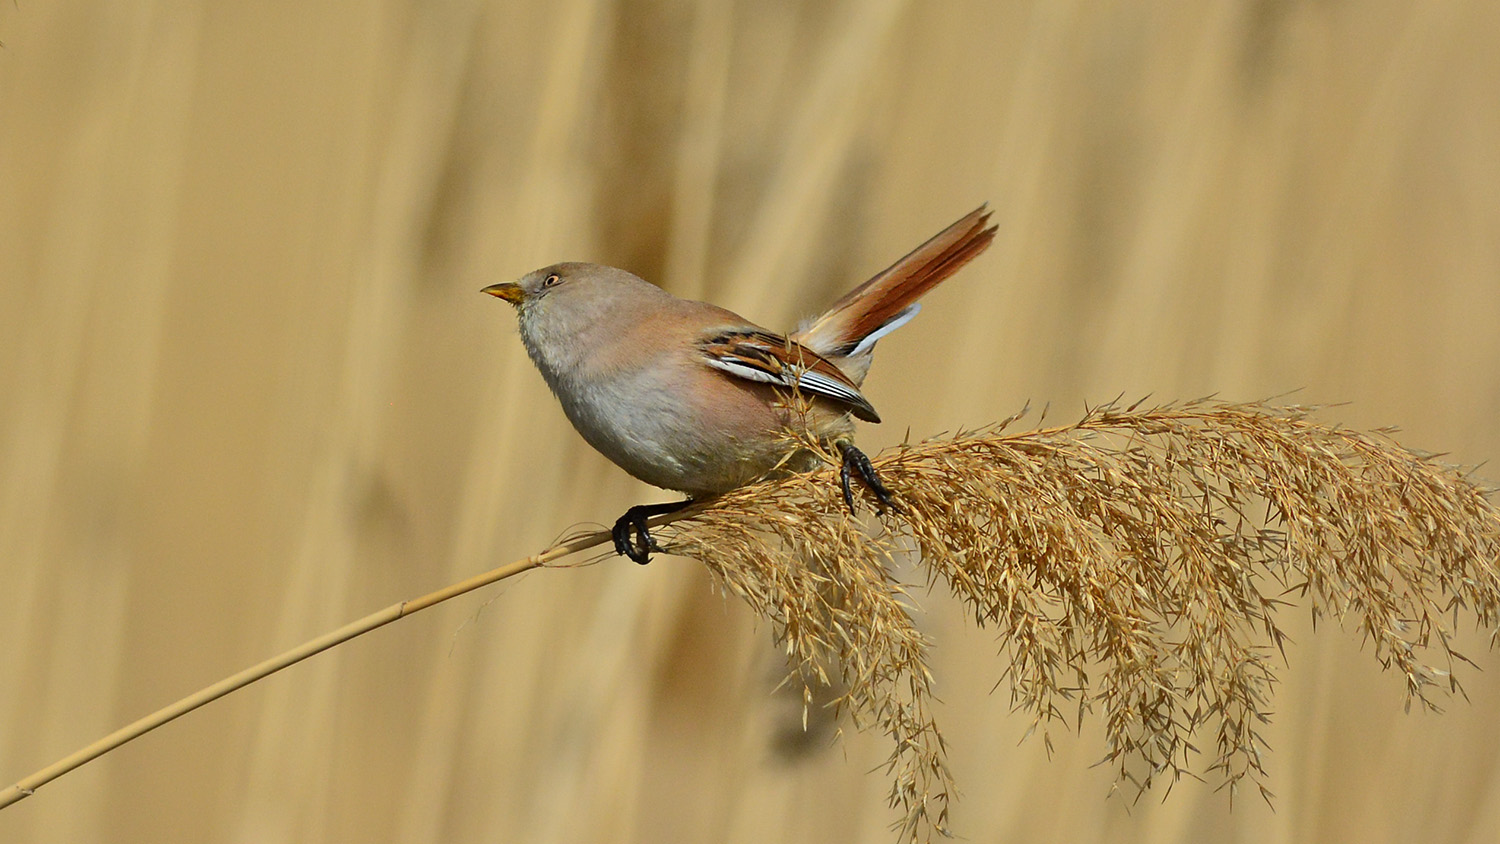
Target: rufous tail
[(849, 328)]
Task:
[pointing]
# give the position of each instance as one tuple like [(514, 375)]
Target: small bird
[(691, 397)]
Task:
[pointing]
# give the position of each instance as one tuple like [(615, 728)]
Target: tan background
[(249, 390)]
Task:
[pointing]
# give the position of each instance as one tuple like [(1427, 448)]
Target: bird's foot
[(856, 461), (632, 539), (631, 535)]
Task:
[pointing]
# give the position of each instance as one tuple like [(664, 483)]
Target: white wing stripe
[(792, 376), (815, 382), (749, 373), (895, 322)]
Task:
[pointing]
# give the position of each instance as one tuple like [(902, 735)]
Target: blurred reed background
[(249, 389)]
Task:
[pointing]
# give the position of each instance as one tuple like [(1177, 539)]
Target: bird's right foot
[(631, 535), (855, 461)]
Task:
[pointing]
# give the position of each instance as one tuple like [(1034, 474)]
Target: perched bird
[(694, 398)]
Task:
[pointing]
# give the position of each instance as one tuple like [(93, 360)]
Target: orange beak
[(509, 291)]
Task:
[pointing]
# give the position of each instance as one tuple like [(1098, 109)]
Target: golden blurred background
[(249, 389)]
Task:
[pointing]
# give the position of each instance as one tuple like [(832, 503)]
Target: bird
[(694, 398)]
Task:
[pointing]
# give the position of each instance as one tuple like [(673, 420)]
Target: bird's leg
[(856, 461), (632, 539)]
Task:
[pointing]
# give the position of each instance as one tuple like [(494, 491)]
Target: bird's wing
[(758, 355)]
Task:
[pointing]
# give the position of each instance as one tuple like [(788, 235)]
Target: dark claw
[(856, 461), (844, 473), (624, 546), (631, 535)]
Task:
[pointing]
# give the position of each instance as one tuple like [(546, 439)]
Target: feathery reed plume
[(839, 614), (1131, 565)]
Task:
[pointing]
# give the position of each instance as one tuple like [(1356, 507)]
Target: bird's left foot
[(632, 537), (856, 461)]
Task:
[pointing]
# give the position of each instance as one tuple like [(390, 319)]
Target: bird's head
[(536, 284)]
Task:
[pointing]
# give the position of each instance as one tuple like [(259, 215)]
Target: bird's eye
[(552, 280)]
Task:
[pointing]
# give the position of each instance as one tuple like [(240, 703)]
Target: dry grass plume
[(1131, 567)]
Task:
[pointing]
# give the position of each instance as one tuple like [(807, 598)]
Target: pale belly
[(699, 442)]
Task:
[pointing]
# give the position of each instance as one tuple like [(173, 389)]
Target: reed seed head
[(1131, 566)]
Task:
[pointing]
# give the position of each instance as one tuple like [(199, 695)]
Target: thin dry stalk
[(1131, 566), (27, 786)]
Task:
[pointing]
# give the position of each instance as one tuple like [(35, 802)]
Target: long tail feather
[(885, 298)]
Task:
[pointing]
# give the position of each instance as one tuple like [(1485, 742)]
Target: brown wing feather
[(761, 356)]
